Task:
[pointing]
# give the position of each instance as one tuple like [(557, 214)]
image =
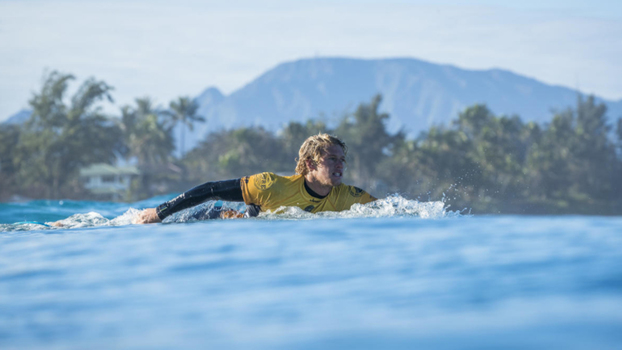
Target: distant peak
[(210, 95), (19, 117)]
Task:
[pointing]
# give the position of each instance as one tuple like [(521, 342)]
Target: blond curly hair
[(313, 148)]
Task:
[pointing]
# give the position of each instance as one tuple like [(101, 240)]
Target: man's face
[(330, 167)]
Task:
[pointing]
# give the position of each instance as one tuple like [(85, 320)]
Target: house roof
[(107, 169)]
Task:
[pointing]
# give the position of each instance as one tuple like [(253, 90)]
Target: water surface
[(398, 274)]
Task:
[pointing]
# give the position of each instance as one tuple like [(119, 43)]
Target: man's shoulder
[(266, 180), (347, 195), (276, 175), (343, 189)]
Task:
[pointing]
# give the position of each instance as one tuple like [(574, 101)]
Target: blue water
[(393, 275)]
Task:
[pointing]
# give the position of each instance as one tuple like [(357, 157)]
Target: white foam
[(93, 219), (82, 220), (392, 206)]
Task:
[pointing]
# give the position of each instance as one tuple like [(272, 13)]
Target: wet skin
[(327, 172)]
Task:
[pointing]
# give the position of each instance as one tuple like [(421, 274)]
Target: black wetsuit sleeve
[(228, 190)]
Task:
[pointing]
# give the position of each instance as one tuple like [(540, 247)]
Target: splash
[(392, 206), (83, 220), (93, 219)]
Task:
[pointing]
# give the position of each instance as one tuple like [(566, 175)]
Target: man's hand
[(147, 216)]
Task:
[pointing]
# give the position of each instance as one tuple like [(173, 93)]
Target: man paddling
[(316, 187)]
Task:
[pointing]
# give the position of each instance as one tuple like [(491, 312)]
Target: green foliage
[(61, 137), (9, 139), (369, 142), (148, 140), (575, 159), (236, 153), (492, 163), (184, 111), (295, 133), (481, 161), (147, 135)]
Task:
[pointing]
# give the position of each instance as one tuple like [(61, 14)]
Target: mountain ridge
[(416, 93)]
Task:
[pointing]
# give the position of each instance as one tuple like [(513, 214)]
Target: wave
[(392, 206)]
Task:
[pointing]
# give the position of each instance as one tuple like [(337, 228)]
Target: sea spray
[(391, 206)]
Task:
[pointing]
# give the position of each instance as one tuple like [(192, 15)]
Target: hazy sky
[(165, 49)]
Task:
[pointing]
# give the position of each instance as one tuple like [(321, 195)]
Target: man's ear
[(310, 164)]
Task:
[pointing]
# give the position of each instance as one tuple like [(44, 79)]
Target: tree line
[(42, 157), (480, 161)]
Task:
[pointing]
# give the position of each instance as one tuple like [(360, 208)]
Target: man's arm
[(228, 190)]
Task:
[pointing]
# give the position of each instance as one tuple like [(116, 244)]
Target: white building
[(105, 180)]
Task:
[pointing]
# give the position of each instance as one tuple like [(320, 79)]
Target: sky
[(167, 49)]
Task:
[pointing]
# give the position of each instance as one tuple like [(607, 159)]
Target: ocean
[(397, 274)]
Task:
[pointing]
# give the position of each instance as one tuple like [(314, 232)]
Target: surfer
[(316, 187)]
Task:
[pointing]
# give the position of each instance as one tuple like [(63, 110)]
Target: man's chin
[(336, 182)]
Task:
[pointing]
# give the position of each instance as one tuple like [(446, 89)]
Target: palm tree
[(59, 138), (147, 137), (184, 110)]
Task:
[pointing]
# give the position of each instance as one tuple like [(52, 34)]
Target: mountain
[(18, 118), (211, 96), (417, 94)]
